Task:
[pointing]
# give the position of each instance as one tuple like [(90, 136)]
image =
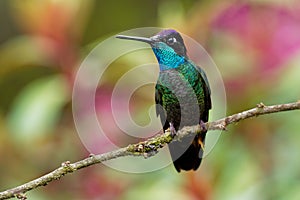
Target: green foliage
[(37, 108)]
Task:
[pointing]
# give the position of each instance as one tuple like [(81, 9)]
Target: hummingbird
[(182, 95)]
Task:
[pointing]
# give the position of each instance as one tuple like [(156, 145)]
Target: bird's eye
[(171, 40)]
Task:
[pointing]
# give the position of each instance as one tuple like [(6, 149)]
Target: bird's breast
[(179, 99)]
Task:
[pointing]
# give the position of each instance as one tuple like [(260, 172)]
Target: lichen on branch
[(145, 148)]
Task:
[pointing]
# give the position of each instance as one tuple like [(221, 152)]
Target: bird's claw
[(172, 129), (203, 126)]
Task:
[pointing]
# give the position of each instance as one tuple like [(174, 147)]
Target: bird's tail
[(187, 154)]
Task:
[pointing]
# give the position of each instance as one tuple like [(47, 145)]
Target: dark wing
[(206, 88), (159, 106)]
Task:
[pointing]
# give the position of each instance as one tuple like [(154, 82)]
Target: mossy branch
[(146, 148)]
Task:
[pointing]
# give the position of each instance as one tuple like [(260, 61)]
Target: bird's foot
[(203, 126), (203, 130), (172, 129)]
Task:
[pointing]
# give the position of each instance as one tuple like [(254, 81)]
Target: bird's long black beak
[(141, 39)]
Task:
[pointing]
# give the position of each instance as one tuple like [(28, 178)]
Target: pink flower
[(272, 32)]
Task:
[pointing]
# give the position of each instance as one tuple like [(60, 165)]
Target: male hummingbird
[(182, 95)]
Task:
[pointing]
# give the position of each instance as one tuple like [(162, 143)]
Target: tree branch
[(146, 148)]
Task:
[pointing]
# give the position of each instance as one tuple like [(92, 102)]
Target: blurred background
[(255, 44)]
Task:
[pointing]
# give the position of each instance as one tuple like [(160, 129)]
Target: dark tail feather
[(187, 154)]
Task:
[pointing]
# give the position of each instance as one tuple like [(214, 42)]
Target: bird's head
[(167, 45)]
